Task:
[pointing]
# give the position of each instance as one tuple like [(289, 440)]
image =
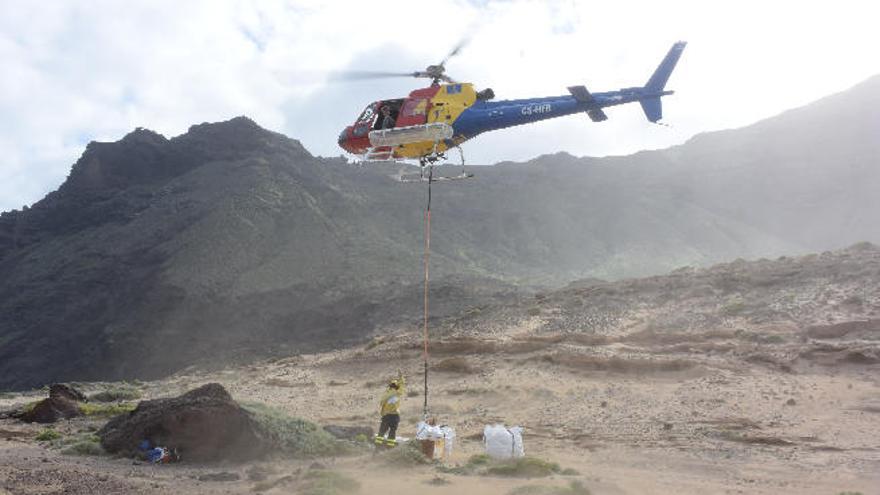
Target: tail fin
[(653, 108), (651, 105), (661, 75)]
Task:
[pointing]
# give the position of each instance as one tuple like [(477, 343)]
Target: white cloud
[(74, 72)]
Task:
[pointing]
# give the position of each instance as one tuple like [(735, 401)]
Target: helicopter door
[(395, 106), (414, 112)]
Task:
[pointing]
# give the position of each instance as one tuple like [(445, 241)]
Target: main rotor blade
[(360, 75), (457, 49)]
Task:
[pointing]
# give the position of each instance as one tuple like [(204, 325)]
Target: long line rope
[(427, 257)]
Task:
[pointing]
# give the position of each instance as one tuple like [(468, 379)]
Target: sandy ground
[(630, 418)]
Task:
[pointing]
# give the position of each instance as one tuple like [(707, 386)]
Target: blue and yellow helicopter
[(432, 120)]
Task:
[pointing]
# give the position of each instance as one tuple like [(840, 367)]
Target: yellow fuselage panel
[(446, 106)]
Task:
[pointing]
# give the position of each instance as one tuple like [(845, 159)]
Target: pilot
[(387, 119)]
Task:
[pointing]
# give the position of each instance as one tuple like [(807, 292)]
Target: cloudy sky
[(77, 71)]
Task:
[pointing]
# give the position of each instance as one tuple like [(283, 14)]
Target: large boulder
[(204, 424), (61, 404), (63, 391)]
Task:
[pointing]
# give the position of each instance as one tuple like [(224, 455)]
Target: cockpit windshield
[(368, 115)]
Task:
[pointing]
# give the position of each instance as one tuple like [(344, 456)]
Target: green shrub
[(105, 410), (524, 467), (733, 308), (573, 488), (529, 490), (117, 394), (456, 364), (479, 460), (437, 481), (322, 482), (296, 437), (29, 406), (83, 444), (406, 454), (267, 485), (476, 464), (47, 435), (84, 448)]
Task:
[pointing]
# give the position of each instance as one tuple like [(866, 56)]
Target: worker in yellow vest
[(389, 409)]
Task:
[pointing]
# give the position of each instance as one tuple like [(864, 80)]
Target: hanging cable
[(427, 257)]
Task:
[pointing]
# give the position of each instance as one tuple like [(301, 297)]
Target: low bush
[(479, 460), (267, 485), (29, 407), (455, 365), (105, 410), (47, 435), (375, 342), (120, 393), (406, 454), (84, 448), (524, 467), (83, 444), (573, 488), (322, 482), (295, 436)]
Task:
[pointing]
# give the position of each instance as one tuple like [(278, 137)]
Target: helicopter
[(432, 120)]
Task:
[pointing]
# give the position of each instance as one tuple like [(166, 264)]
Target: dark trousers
[(389, 425)]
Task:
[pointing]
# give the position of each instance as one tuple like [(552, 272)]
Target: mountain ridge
[(231, 240)]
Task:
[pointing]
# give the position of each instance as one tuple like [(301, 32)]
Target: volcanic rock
[(61, 404), (62, 391), (204, 424)]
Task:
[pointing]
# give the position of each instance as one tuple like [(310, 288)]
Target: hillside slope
[(230, 240)]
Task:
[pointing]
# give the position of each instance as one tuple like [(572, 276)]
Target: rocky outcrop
[(204, 424), (62, 403), (63, 391)]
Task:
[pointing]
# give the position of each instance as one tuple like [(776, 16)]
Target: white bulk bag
[(502, 442), (444, 434)]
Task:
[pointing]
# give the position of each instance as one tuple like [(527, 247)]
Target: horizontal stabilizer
[(597, 115), (581, 94)]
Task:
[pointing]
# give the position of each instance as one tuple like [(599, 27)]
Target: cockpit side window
[(393, 105)]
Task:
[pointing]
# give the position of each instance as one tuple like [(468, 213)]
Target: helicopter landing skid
[(436, 178), (426, 169)]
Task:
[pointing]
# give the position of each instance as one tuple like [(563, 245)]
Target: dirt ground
[(744, 378), (696, 416)]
